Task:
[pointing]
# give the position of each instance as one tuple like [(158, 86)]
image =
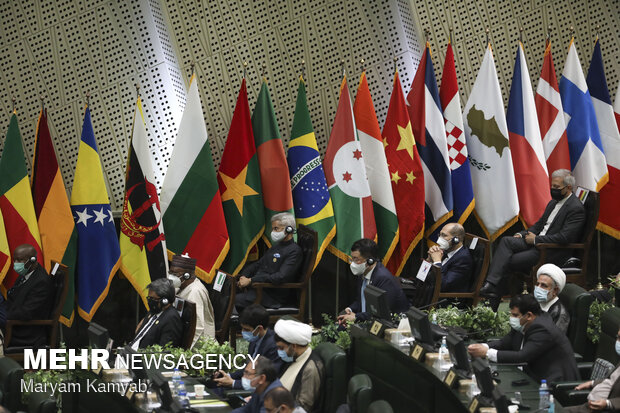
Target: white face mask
[(277, 236), (443, 243), (176, 281), (358, 269)]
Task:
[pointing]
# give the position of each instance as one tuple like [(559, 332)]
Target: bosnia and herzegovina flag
[(20, 221), (142, 241), (98, 248), (313, 205), (51, 205)]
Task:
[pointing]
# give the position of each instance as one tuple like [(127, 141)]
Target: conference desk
[(413, 386)]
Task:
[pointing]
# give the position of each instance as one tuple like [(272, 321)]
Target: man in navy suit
[(365, 263), (254, 322), (455, 261)]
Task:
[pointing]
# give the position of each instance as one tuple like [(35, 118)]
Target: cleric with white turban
[(294, 332), (550, 281)]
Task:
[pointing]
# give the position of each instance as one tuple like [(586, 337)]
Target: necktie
[(364, 283)]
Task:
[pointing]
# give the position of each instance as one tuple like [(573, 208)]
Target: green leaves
[(480, 321)]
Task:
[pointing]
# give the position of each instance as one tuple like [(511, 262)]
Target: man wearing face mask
[(455, 261), (162, 325), (605, 394), (562, 223), (533, 339), (304, 370), (280, 264), (261, 378), (31, 297), (550, 281), (365, 265), (188, 287)]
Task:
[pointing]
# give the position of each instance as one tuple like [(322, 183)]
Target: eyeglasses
[(247, 374)]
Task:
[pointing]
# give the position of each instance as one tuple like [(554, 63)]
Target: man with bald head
[(31, 297), (455, 261)]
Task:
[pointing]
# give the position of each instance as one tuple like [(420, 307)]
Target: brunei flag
[(277, 196), (51, 205), (240, 187), (98, 249), (142, 242), (16, 206)]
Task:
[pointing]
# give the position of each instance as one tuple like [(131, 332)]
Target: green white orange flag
[(345, 171), (190, 200), (142, 241), (240, 187), (51, 205), (383, 205), (276, 184), (20, 220)]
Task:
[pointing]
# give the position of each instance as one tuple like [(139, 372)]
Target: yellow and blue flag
[(98, 249)]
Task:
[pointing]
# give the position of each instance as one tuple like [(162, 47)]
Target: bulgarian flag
[(240, 187), (191, 206), (345, 171), (276, 184), (51, 205), (16, 206)]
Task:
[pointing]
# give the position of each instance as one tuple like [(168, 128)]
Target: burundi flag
[(313, 205), (608, 219), (369, 134), (528, 157), (489, 152), (98, 250), (51, 205), (345, 172), (191, 205), (428, 128), (587, 158), (277, 194), (239, 182), (142, 241), (406, 175), (462, 191), (551, 116), (16, 205)]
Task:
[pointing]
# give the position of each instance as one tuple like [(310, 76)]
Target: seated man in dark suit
[(280, 264), (255, 329), (562, 222), (31, 297), (162, 325), (455, 261), (605, 394), (365, 263), (534, 339), (260, 377)]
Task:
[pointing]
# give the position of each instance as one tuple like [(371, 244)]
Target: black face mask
[(154, 305), (556, 193)]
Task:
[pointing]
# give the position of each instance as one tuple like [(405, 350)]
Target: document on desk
[(207, 403)]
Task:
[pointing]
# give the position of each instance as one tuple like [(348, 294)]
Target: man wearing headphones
[(364, 262), (455, 261), (31, 297), (162, 325), (280, 264), (188, 287)]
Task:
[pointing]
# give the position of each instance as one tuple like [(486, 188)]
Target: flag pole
[(245, 66), (14, 107), (598, 247), (362, 62)]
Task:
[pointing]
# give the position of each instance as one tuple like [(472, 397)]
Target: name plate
[(451, 378), (473, 406), (417, 352), (377, 328)]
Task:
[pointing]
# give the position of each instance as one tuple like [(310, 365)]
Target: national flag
[(587, 158), (240, 188), (313, 205), (275, 182), (5, 251), (191, 204), (428, 128), (608, 219), (142, 241), (54, 216), (369, 134), (345, 172), (16, 205), (98, 249), (407, 177), (617, 106), (528, 158), (462, 191), (551, 116), (497, 206)]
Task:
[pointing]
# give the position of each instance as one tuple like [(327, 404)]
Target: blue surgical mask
[(249, 336), (515, 323), (20, 267), (541, 295), (246, 384), (618, 347), (285, 357)]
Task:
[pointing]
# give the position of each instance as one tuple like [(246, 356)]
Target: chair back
[(380, 406), (11, 375), (59, 273), (601, 369), (577, 302), (223, 303), (359, 393), (481, 256), (335, 377), (606, 349), (591, 206), (308, 241), (41, 403), (188, 318)]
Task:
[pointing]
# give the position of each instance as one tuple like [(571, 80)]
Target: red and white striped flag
[(551, 117)]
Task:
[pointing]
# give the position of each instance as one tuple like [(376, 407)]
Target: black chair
[(359, 394), (334, 383), (577, 302), (223, 303), (188, 318), (11, 375), (41, 403), (380, 406)]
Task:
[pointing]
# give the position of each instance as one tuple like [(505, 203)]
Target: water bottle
[(543, 392), (434, 318), (444, 356), (182, 394), (473, 388), (551, 404), (176, 378)]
